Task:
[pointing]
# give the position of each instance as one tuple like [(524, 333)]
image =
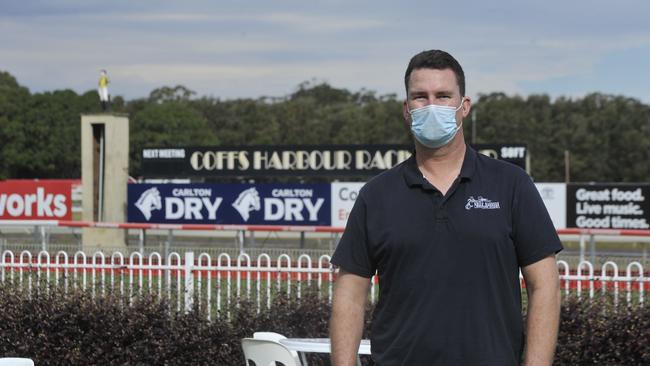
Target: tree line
[(607, 136)]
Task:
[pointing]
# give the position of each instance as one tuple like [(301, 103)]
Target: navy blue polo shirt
[(448, 266)]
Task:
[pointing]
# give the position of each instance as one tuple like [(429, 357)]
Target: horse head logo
[(247, 201), (149, 200)]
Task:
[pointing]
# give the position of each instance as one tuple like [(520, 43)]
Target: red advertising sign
[(36, 199)]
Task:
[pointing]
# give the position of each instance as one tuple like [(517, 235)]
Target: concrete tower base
[(104, 176)]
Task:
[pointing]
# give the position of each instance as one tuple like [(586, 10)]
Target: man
[(102, 89), (447, 231)]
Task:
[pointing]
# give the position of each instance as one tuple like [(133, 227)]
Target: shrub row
[(76, 328), (600, 333)]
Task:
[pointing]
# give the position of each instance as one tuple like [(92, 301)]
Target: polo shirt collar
[(413, 175)]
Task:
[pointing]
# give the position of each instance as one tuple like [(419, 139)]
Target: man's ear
[(466, 106), (406, 114)]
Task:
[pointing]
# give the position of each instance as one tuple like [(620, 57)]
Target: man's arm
[(543, 287), (346, 324)]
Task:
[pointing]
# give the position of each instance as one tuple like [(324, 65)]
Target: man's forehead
[(441, 79)]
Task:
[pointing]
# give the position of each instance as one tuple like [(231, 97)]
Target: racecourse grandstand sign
[(36, 200), (608, 206), (270, 204), (512, 153), (258, 204), (295, 160)]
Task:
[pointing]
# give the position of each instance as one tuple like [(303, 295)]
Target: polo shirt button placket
[(441, 214), (439, 207)]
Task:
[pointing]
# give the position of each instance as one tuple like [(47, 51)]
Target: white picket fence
[(220, 283)]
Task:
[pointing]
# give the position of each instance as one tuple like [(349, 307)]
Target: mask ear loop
[(462, 100)]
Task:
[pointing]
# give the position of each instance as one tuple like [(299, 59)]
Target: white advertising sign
[(343, 197), (554, 197)]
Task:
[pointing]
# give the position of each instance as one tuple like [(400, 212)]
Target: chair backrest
[(16, 361), (269, 336), (263, 352), (275, 337)]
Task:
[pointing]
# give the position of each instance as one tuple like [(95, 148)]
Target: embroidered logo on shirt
[(481, 203)]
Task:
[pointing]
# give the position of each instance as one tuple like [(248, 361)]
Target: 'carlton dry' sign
[(260, 204), (296, 160), (608, 206)]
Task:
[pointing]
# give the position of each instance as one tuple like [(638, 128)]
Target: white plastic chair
[(301, 359), (269, 336), (263, 352), (16, 361), (275, 337)]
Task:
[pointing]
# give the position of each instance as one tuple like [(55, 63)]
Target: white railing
[(215, 285), (607, 280)]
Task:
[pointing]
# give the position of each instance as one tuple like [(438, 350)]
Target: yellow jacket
[(103, 81)]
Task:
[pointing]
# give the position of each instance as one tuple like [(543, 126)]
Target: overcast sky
[(232, 49)]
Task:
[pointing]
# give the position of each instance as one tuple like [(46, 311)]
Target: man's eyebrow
[(444, 92), (418, 92)]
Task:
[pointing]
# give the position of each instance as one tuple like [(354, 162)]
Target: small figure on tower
[(104, 98)]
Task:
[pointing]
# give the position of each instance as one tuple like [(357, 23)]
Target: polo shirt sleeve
[(534, 235), (352, 251)]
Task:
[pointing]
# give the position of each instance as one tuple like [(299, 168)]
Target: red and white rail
[(285, 228), (151, 226)]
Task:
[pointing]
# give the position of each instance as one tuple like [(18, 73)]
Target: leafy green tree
[(164, 94), (13, 101), (168, 124), (40, 132), (50, 135), (608, 136)]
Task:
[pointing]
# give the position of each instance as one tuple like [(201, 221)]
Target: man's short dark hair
[(437, 60)]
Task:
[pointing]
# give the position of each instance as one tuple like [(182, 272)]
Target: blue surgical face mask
[(434, 125)]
